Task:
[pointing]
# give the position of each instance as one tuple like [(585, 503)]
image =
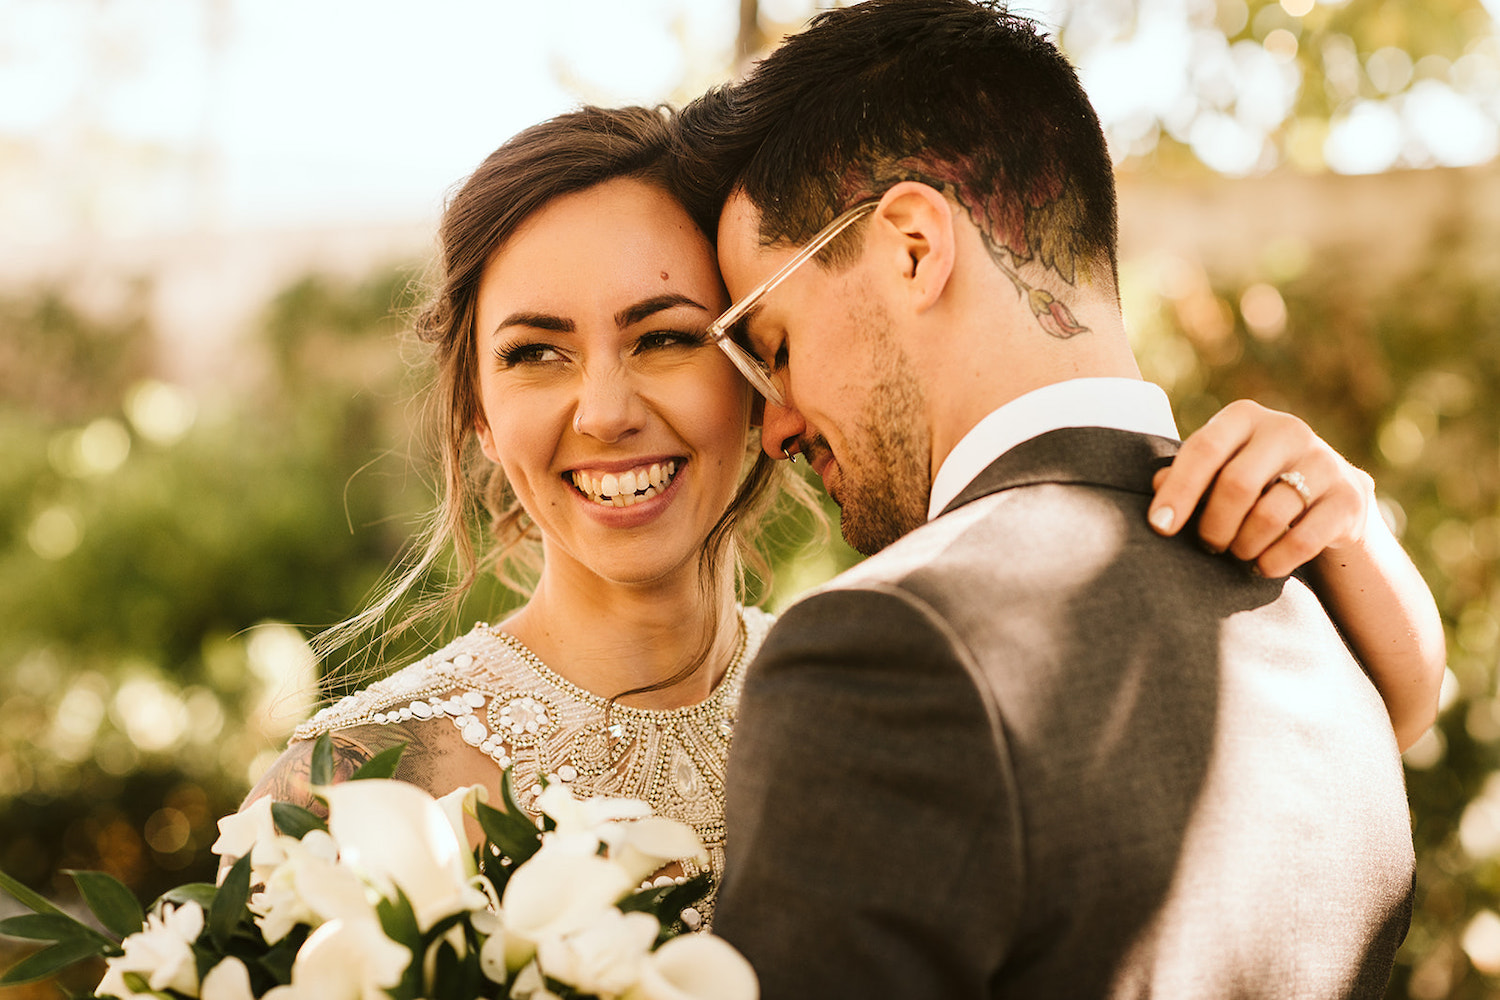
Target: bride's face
[(620, 428)]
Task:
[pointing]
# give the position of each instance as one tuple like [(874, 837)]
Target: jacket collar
[(1097, 456)]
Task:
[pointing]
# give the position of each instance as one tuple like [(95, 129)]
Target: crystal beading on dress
[(509, 705)]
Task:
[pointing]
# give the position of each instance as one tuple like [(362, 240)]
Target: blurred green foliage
[(148, 533)]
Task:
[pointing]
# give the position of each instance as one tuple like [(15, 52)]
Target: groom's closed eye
[(739, 332)]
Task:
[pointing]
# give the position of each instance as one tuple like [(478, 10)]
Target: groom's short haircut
[(962, 95)]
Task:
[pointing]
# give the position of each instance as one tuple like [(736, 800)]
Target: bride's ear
[(920, 240), (486, 440)]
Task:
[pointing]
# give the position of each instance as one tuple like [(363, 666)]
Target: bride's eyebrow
[(536, 321), (647, 307)]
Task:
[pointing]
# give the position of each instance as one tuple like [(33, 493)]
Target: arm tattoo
[(289, 779)]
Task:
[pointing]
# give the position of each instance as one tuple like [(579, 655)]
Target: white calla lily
[(229, 980), (492, 952), (310, 887), (696, 967), (251, 831), (348, 960), (585, 816), (644, 845), (454, 805), (397, 835), (161, 953), (553, 894), (602, 958)]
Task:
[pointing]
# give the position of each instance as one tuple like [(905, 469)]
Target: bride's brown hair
[(560, 156)]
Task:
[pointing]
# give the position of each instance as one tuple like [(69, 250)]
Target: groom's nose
[(780, 429)]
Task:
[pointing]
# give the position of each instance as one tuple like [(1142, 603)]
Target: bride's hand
[(1249, 461)]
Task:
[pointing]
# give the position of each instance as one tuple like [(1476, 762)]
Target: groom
[(1030, 748)]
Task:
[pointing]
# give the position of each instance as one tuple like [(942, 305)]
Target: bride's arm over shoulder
[(1256, 471)]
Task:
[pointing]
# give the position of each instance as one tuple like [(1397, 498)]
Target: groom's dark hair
[(961, 95)]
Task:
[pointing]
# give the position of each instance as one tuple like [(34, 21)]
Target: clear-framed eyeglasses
[(763, 379)]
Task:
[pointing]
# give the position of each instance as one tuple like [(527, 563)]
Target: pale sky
[(268, 112), (123, 118)]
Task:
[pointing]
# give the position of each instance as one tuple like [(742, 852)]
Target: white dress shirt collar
[(1125, 404)]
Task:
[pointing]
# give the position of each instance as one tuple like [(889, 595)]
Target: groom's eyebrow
[(649, 307), (739, 330)]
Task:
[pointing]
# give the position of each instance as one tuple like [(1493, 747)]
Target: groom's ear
[(918, 224)]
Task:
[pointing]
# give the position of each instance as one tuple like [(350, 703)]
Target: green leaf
[(511, 830), (228, 907), (202, 893), (295, 821), (668, 899), (382, 765), (399, 921), (45, 927), (667, 902), (514, 833), (140, 987), (321, 771), (114, 904), (26, 897), (50, 961), (447, 973), (276, 961)]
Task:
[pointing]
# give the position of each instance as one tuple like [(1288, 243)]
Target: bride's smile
[(634, 485)]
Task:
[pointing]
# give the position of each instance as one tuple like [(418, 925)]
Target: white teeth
[(624, 489)]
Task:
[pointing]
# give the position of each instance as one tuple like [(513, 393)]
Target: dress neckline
[(539, 666)]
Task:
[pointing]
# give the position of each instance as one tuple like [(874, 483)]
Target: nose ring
[(578, 423), (789, 456)]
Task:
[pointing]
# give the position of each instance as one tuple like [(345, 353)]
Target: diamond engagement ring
[(1298, 482)]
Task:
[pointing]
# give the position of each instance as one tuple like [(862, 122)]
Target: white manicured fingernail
[(1162, 518)]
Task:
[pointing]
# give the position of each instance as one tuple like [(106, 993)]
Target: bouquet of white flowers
[(385, 901)]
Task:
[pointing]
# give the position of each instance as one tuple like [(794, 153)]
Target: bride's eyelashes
[(658, 340), (530, 353), (520, 354)]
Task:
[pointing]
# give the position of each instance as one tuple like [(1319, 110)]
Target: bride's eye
[(527, 353), (658, 340)]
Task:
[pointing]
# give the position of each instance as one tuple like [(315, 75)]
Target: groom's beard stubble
[(885, 483)]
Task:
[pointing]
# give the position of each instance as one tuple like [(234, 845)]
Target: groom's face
[(853, 404)]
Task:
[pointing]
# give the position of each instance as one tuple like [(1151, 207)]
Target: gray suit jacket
[(1035, 750)]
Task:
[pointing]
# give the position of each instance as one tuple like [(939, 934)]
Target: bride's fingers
[(1234, 504), (1269, 519), (1301, 543), (1181, 486)]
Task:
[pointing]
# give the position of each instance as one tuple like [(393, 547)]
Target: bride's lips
[(638, 486)]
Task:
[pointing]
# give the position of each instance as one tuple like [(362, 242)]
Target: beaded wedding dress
[(486, 693)]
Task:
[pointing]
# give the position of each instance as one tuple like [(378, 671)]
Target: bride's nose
[(609, 404)]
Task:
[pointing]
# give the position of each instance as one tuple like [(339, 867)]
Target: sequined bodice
[(507, 704)]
